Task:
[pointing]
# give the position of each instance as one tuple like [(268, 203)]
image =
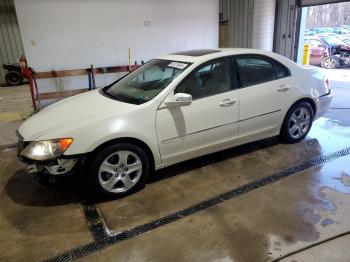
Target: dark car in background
[(328, 51), (345, 38)]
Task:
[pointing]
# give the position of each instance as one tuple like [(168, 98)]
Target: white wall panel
[(74, 34)]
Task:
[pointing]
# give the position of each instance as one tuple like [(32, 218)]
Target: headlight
[(47, 149)]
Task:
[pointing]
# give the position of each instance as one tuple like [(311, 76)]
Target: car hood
[(74, 111), (343, 47)]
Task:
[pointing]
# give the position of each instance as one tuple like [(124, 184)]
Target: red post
[(27, 73)]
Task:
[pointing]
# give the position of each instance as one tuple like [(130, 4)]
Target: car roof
[(197, 52), (200, 55)]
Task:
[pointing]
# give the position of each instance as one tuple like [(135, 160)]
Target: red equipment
[(28, 73)]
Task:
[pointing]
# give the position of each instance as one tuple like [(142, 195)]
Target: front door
[(208, 123)]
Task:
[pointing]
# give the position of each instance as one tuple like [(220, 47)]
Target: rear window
[(281, 70), (258, 69), (254, 70)]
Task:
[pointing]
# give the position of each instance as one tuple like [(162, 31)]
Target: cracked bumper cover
[(323, 103), (60, 166)]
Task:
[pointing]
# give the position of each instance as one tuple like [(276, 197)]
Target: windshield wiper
[(123, 98)]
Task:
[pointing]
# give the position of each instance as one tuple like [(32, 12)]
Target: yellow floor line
[(13, 116)]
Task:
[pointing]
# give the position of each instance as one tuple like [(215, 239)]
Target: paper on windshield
[(177, 65)]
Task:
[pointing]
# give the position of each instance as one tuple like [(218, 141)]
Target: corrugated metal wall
[(287, 28), (239, 14), (264, 24), (10, 39)]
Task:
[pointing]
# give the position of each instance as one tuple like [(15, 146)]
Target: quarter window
[(281, 70), (209, 79)]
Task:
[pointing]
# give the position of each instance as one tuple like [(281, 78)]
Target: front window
[(209, 79), (146, 82)]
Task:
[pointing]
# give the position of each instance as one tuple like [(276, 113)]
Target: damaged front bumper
[(62, 165), (59, 166)]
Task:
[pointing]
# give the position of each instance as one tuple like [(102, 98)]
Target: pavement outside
[(303, 217)]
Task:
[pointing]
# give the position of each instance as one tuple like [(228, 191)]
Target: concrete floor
[(283, 220), (15, 105)]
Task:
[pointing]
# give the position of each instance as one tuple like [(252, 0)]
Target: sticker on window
[(177, 65)]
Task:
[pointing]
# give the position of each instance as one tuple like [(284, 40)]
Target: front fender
[(137, 124)]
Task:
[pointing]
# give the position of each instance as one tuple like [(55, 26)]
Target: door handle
[(227, 102), (283, 88)]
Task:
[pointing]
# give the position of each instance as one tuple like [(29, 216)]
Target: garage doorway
[(327, 29)]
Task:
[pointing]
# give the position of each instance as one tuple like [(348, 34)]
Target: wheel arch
[(308, 100), (286, 138), (304, 99), (130, 140)]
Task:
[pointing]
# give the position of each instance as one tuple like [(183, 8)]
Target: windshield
[(333, 41), (146, 82)]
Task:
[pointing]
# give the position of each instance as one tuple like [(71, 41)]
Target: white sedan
[(173, 108)]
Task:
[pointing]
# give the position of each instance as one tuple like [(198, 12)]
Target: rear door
[(265, 91)]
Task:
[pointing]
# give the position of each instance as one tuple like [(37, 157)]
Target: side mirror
[(179, 99)]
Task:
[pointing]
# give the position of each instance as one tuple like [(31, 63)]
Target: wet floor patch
[(331, 132), (324, 251), (345, 178), (279, 218), (326, 222), (114, 238)]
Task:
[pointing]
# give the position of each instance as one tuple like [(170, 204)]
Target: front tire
[(297, 123), (119, 169), (329, 62)]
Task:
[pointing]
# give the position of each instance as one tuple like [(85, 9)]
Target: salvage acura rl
[(173, 108)]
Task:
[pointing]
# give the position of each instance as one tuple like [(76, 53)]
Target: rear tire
[(297, 123), (119, 170), (13, 78)]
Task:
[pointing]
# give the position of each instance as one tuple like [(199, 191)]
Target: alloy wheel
[(120, 171), (299, 122), (329, 63)]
